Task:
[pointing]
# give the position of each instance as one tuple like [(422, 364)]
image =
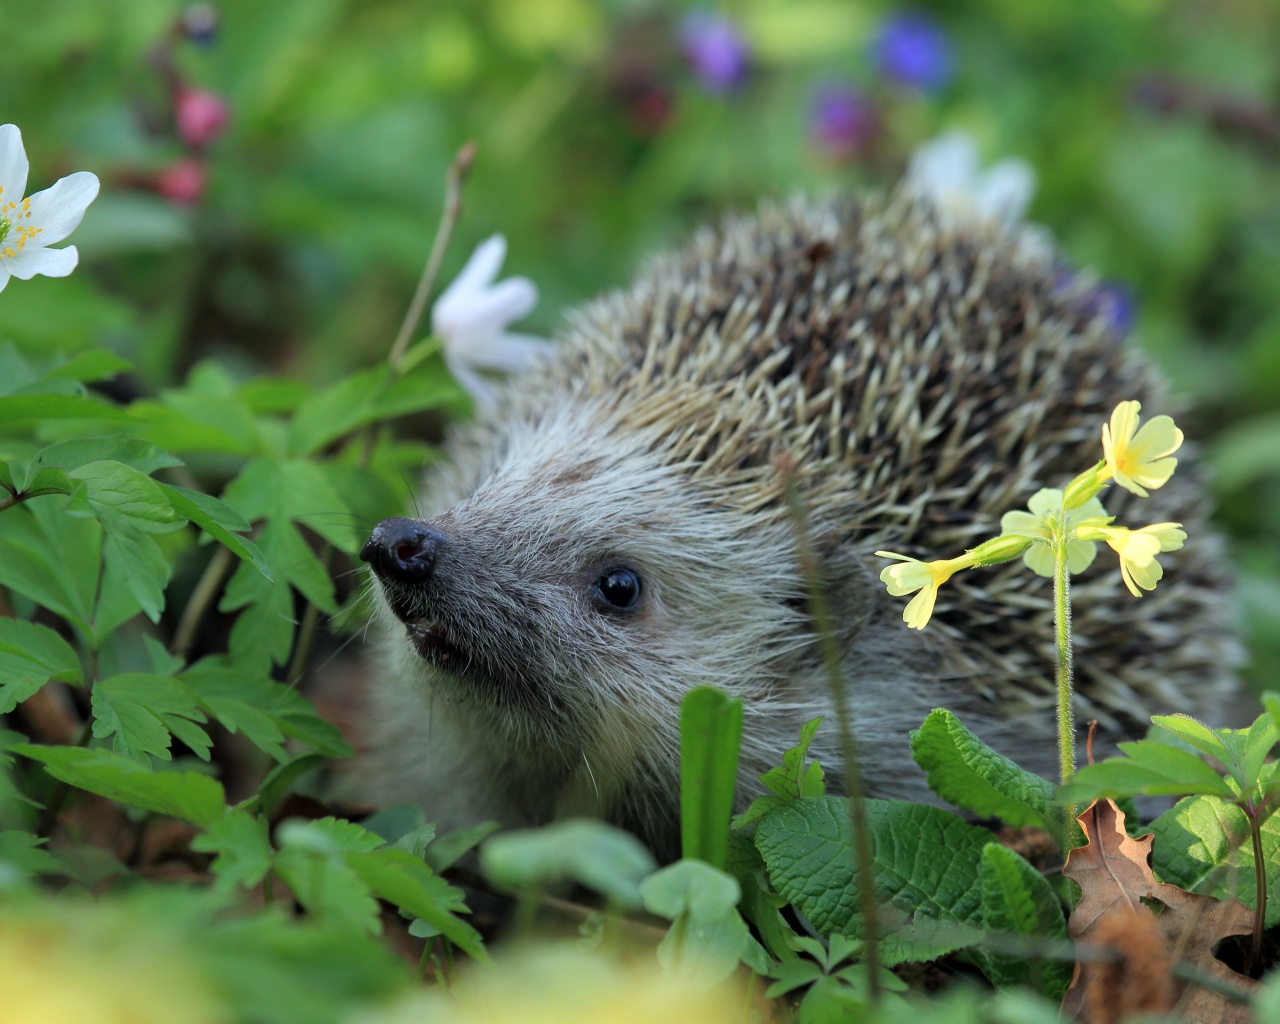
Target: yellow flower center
[(14, 233)]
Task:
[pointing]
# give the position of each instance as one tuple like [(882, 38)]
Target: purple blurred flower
[(842, 121), (200, 23), (912, 50), (1116, 303), (716, 50)]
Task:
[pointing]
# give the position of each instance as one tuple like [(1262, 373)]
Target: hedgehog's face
[(582, 585)]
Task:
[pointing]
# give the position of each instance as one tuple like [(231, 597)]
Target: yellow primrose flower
[(1137, 550), (1139, 458), (1046, 506), (926, 577)]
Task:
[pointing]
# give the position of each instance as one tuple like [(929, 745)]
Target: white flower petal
[(481, 391), (513, 353), (944, 166), (13, 165), (4, 275), (1004, 192), (487, 312), (38, 260), (58, 210), (478, 274)]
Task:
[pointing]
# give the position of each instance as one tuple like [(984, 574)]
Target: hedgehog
[(616, 529)]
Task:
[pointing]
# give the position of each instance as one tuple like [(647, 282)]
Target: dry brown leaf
[(1114, 875)]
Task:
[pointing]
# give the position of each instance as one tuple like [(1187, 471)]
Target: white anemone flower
[(946, 171), (471, 318), (29, 226)]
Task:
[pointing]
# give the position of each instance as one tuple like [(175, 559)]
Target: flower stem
[(1062, 624), (452, 207), (1254, 814)]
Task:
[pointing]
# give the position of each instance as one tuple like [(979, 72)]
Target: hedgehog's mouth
[(432, 643)]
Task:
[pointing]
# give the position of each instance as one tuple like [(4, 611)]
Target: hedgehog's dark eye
[(619, 588)]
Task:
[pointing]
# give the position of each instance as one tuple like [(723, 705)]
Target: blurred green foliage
[(1154, 126)]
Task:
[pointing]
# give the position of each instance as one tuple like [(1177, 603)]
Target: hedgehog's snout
[(402, 550)]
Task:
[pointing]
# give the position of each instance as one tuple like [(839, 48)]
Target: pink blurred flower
[(183, 182), (201, 116)]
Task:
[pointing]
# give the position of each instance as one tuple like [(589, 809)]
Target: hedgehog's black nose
[(402, 549)]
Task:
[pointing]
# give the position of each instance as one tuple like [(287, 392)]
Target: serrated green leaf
[(707, 938), (24, 851), (1196, 733), (296, 490), (187, 795), (605, 859), (1018, 901), (140, 710), (967, 773), (129, 451), (710, 736), (55, 566), (134, 558), (243, 850), (926, 861), (117, 492), (329, 835), (31, 655), (217, 520), (794, 779), (1258, 743), (244, 703), (445, 851), (399, 877), (1203, 845), (96, 364), (329, 890), (1151, 768)]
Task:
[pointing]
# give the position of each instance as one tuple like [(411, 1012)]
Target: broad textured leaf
[(188, 795), (1018, 902), (1203, 845), (707, 937), (710, 735), (31, 655), (402, 879), (1196, 733), (965, 772), (140, 710), (927, 878), (603, 858), (243, 850)]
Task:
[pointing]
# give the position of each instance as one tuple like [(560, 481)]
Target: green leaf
[(1018, 902), (329, 835), (279, 781), (23, 851), (187, 795), (141, 710), (401, 878), (1203, 845), (32, 408), (603, 858), (708, 937), (965, 772), (1259, 741), (52, 560), (446, 850), (217, 520), (243, 849), (710, 735), (134, 558), (31, 655), (1151, 768), (927, 879), (129, 451), (792, 780), (96, 364), (329, 890), (118, 492), (1196, 733)]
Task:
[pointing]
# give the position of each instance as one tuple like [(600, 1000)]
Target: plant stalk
[(205, 591), (1062, 625), (1254, 814)]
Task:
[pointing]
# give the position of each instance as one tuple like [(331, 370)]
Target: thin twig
[(454, 179), (206, 589)]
